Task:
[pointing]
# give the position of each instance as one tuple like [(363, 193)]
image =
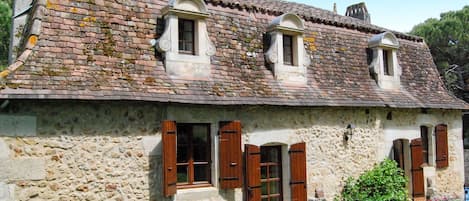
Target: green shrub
[(385, 182)]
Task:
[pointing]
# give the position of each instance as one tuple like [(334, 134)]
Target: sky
[(398, 15)]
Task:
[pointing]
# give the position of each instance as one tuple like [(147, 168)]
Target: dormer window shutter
[(441, 138), (231, 158), (169, 158), (298, 172), (253, 172)]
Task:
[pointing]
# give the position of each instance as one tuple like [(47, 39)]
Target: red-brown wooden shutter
[(231, 156), (417, 171), (169, 158), (253, 172), (441, 146), (298, 171)]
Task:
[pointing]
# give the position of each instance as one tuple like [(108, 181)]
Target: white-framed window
[(286, 54), (185, 43), (384, 65)]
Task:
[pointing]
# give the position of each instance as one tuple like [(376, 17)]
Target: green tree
[(5, 24), (448, 40)]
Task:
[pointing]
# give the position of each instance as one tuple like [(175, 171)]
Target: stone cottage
[(217, 100)]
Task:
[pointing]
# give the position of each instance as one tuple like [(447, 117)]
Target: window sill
[(194, 186), (204, 193), (424, 165)]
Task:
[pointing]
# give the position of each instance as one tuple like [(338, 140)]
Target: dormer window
[(286, 54), (186, 36), (185, 43), (384, 65)]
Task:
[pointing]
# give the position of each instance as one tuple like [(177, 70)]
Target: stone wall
[(111, 150), (86, 151)]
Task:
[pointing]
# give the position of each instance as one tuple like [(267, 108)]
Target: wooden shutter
[(298, 171), (417, 171), (253, 172), (231, 158), (169, 158), (441, 133)]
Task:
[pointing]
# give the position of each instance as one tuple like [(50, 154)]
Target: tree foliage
[(5, 24), (385, 182), (448, 40)]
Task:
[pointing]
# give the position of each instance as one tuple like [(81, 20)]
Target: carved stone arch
[(385, 39), (197, 6), (274, 144), (288, 21)]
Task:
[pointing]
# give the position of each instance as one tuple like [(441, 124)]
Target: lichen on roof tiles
[(103, 52)]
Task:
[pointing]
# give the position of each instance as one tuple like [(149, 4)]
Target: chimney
[(358, 11), (335, 8)]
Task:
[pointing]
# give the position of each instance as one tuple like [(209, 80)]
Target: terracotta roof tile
[(88, 51)]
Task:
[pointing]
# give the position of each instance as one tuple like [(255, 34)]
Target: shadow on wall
[(155, 175)]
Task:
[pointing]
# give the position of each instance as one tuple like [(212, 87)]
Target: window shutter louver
[(441, 138), (169, 158), (253, 172), (298, 172), (418, 188), (231, 158)]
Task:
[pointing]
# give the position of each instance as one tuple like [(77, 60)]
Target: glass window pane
[(263, 172), (189, 47), (188, 36), (274, 187), (200, 153), (273, 155), (188, 25), (264, 188), (265, 199), (201, 173), (182, 153), (200, 133), (274, 172), (182, 135), (182, 174)]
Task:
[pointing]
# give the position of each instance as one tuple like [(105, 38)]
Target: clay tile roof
[(101, 50)]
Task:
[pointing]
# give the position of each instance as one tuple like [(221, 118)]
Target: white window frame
[(184, 66), (289, 24), (378, 43)]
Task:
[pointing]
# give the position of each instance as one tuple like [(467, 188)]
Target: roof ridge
[(347, 22)]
